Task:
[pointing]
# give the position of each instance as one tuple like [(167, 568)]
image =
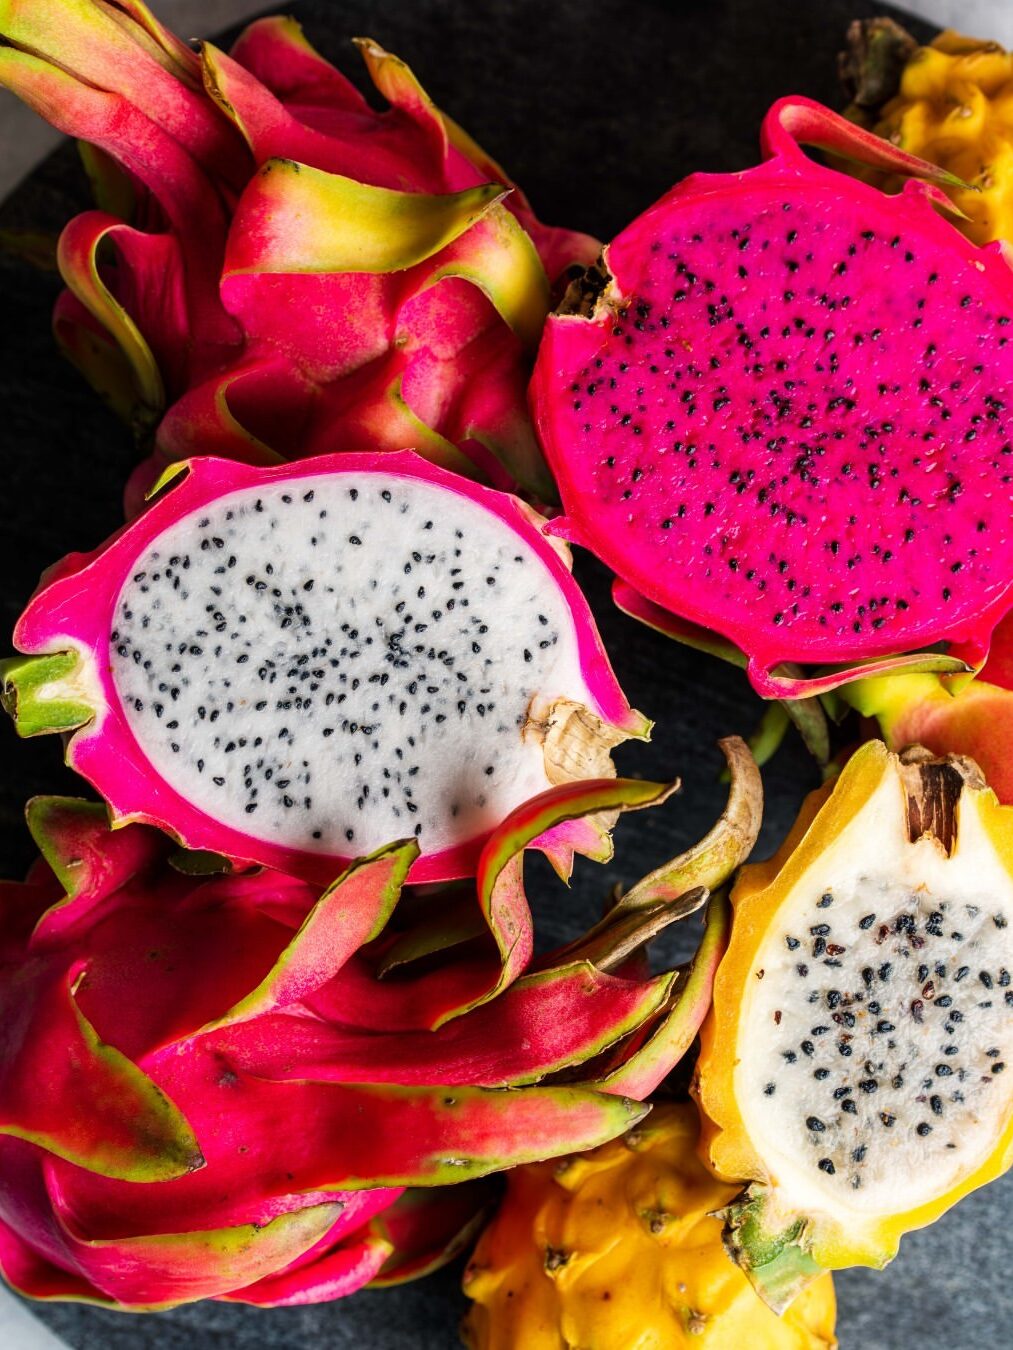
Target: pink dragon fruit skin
[(428, 345), (780, 410), (148, 1087), (445, 719)]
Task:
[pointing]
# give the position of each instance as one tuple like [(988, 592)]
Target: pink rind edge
[(132, 792)]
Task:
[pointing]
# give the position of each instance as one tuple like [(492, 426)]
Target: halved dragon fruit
[(855, 1066), (289, 666), (781, 408), (276, 267), (148, 1088)]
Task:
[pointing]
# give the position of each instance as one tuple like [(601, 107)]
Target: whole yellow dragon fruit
[(617, 1249), (950, 102)]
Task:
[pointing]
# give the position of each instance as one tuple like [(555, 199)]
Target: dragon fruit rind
[(274, 265), (780, 408), (619, 1249), (163, 1031), (291, 665)]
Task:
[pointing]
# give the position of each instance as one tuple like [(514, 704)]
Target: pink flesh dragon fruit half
[(292, 665), (276, 267), (781, 409), (148, 1088)]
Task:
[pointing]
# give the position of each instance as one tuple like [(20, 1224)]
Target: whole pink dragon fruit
[(275, 267), (292, 665), (220, 1087), (781, 409)]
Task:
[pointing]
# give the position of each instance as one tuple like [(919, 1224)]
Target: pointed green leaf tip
[(65, 830), (774, 1259), (499, 257), (98, 1110), (350, 913), (44, 693), (293, 218)]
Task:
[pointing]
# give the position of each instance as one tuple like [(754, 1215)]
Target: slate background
[(596, 108)]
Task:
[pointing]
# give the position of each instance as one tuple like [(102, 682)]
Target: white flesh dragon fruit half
[(856, 1071), (292, 666), (882, 1077)]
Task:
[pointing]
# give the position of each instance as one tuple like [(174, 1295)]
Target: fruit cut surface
[(782, 410), (304, 663), (856, 1064)]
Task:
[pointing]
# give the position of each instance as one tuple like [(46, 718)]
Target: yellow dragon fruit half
[(950, 102), (618, 1249)]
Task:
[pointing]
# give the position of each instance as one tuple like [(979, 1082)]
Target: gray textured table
[(595, 109)]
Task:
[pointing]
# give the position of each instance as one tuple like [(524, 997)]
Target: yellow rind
[(725, 1144), (619, 1248), (955, 108)]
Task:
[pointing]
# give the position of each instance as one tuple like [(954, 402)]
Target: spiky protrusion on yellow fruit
[(953, 106), (617, 1249)]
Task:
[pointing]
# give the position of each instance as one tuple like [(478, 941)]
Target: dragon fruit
[(853, 1068), (147, 1087), (620, 1248), (779, 409), (291, 665), (275, 267), (949, 102)]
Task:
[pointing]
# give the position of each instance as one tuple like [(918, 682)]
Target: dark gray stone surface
[(596, 109)]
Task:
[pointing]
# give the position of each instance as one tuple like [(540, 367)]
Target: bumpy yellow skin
[(955, 107), (616, 1250)]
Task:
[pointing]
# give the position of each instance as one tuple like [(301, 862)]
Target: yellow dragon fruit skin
[(955, 108), (617, 1250)]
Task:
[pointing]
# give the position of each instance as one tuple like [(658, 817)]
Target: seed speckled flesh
[(324, 658), (790, 417), (910, 1089)]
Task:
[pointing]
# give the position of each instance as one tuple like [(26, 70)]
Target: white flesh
[(943, 1065), (395, 673)]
